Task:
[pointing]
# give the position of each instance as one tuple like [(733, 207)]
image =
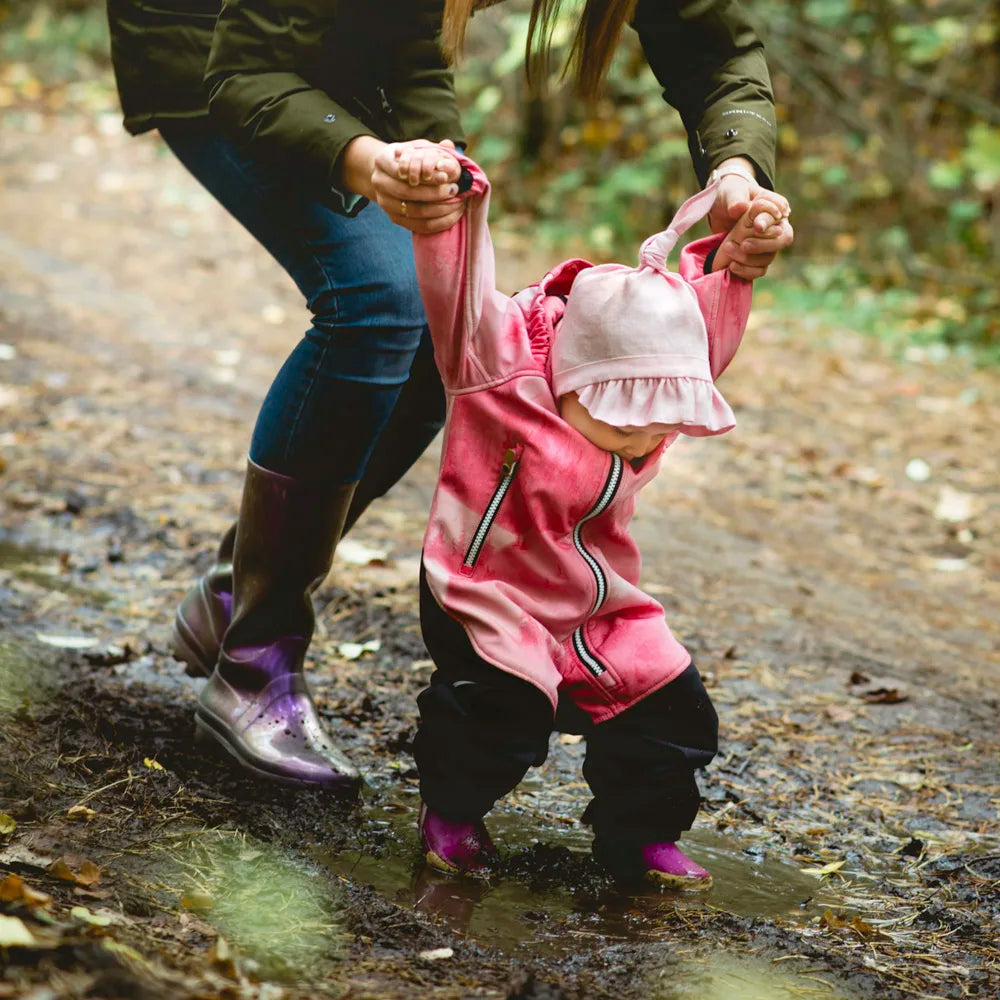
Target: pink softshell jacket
[(527, 544)]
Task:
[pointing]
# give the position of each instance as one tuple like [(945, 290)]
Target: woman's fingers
[(423, 218)]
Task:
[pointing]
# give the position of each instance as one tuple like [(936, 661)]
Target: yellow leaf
[(7, 824), (152, 763), (94, 919), (13, 933), (829, 869), (81, 813)]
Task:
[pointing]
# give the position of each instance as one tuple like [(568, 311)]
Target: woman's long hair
[(593, 45)]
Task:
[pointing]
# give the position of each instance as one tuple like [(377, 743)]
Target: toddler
[(561, 402)]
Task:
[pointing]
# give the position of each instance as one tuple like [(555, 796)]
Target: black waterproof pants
[(482, 728)]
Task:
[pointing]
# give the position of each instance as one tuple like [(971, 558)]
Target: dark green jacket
[(298, 79)]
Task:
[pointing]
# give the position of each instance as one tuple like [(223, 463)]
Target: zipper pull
[(509, 462), (386, 106)]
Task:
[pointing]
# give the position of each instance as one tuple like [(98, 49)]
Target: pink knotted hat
[(633, 343)]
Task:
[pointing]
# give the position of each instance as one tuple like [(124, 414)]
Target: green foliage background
[(889, 131)]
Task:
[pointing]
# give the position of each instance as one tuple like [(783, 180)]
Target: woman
[(291, 115)]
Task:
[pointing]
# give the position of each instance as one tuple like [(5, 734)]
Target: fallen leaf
[(94, 919), (200, 902), (356, 553), (877, 690), (7, 824), (856, 924), (89, 873), (14, 934), (435, 954), (81, 813), (18, 854), (152, 763), (13, 889), (833, 866), (66, 641), (953, 505), (354, 650)]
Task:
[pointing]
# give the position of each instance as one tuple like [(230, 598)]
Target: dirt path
[(831, 564)]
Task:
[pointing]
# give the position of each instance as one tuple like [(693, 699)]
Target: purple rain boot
[(456, 847), (205, 611), (668, 866), (256, 703)]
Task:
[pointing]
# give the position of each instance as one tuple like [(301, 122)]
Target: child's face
[(626, 442)]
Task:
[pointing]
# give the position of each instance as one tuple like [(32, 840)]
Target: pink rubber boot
[(668, 866), (454, 847)]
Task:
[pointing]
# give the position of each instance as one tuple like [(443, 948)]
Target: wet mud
[(844, 625)]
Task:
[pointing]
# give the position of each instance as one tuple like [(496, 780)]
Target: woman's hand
[(415, 182), (762, 225), (754, 239)]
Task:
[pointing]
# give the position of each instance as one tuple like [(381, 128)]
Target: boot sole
[(211, 732), (684, 882), (435, 861)]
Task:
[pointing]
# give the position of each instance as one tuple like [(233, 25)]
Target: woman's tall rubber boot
[(418, 415), (257, 704), (204, 613)]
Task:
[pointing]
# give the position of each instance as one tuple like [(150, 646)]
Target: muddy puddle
[(732, 977), (550, 896), (281, 918)]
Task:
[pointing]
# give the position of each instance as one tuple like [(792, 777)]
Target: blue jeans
[(334, 394)]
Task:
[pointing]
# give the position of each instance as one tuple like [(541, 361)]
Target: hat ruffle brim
[(689, 405)]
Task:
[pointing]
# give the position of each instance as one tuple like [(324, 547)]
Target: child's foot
[(456, 848), (668, 866), (661, 864)]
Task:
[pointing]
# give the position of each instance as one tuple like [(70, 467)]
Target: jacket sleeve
[(456, 270), (423, 88), (710, 62), (724, 301), (264, 70)]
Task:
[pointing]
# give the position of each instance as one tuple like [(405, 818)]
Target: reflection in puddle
[(730, 977), (266, 903), (551, 914)]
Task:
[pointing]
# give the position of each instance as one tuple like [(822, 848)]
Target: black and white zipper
[(507, 472), (611, 485)]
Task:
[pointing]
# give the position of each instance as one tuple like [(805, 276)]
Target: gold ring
[(402, 208)]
